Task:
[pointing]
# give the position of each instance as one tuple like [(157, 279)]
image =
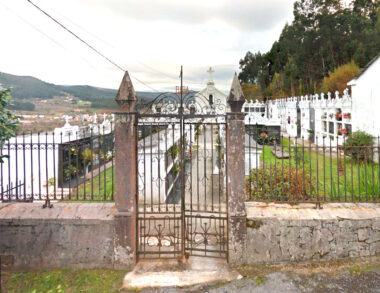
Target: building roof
[(369, 64)]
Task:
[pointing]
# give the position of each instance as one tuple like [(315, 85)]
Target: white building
[(365, 92), (212, 100)]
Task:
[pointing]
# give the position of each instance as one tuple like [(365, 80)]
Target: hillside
[(28, 87)]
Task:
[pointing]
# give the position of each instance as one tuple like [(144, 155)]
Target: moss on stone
[(254, 224)]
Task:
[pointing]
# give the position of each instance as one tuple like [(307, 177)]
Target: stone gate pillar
[(237, 229), (125, 176)]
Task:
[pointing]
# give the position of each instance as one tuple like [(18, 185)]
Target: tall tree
[(8, 121), (324, 35)]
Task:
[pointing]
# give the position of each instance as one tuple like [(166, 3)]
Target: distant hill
[(27, 87)]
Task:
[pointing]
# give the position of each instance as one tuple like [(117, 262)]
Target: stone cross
[(210, 71), (67, 118)]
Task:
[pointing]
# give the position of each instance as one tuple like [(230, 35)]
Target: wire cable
[(88, 45)]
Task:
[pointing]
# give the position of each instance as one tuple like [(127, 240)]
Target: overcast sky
[(149, 38)]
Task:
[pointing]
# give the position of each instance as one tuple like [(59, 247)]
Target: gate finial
[(236, 98), (126, 96)]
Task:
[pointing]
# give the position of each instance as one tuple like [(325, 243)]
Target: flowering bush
[(288, 184), (264, 138), (347, 115), (359, 145), (342, 131), (338, 116)]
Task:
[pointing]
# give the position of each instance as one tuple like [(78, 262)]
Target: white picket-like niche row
[(330, 116)]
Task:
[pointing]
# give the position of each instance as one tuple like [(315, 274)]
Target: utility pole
[(181, 90)]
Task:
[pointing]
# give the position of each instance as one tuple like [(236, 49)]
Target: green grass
[(334, 179), (101, 186), (64, 281)]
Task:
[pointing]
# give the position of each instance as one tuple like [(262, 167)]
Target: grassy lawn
[(63, 281), (100, 188), (331, 178)]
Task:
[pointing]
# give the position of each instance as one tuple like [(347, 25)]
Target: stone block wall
[(277, 233), (69, 235)]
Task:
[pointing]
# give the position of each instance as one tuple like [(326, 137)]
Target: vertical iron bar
[(104, 144), (77, 164), (158, 169), (2, 175), (331, 178), (16, 153), (205, 165), (113, 158), (54, 166), (275, 170), (92, 162), (24, 163), (282, 168), (62, 166), (83, 148), (151, 166), (324, 169), (365, 173), (317, 167), (338, 165), (31, 165), (70, 169), (372, 172), (344, 167), (296, 157), (212, 163), (46, 168), (303, 168), (290, 165), (39, 166), (99, 162)]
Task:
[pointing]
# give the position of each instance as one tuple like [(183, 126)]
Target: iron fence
[(66, 166), (285, 169)]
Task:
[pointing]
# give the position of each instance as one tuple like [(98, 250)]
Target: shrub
[(265, 139), (359, 146), (271, 183), (338, 79)]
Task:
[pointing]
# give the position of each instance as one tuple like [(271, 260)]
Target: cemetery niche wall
[(332, 116), (323, 118), (260, 124)]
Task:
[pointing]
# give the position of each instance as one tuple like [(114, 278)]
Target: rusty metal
[(314, 173), (44, 168), (182, 207)]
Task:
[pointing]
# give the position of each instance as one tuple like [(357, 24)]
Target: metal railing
[(71, 166), (286, 169)]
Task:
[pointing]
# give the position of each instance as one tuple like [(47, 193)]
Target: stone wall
[(74, 235), (280, 232)]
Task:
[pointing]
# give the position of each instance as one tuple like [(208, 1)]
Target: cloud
[(149, 38), (249, 15)]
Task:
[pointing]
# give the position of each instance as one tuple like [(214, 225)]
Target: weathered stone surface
[(236, 97), (301, 233), (125, 189), (71, 235), (237, 225), (126, 96)]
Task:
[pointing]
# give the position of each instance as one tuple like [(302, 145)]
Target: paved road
[(202, 186), (346, 281)]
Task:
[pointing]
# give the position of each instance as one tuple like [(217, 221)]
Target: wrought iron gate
[(181, 194)]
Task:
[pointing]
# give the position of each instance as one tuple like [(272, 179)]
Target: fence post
[(237, 229), (125, 176)]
